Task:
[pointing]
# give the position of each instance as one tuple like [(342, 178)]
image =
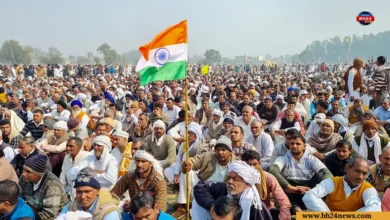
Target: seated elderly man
[(283, 147), (269, 185), (380, 173), (211, 166), (367, 116), (337, 160), (298, 171), (241, 184), (348, 193), (355, 112), (262, 141), (245, 120), (173, 174), (370, 144), (102, 161), (314, 126), (163, 146), (297, 116), (325, 140), (41, 189), (145, 175), (91, 198), (214, 127), (279, 128)]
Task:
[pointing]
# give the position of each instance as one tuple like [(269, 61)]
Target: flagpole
[(187, 142), (187, 150)]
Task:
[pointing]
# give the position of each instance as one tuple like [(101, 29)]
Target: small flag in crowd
[(205, 70), (165, 58)]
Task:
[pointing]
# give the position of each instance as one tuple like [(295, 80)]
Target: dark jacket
[(18, 162), (22, 211), (335, 165), (205, 194)]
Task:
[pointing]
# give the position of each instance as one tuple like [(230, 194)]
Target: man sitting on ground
[(380, 173), (337, 160), (298, 171), (348, 193)]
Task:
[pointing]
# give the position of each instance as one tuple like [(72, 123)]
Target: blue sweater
[(21, 212)]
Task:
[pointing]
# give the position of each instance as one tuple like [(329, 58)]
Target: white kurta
[(106, 179), (264, 146)]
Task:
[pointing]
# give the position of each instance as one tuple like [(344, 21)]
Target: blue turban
[(109, 97), (292, 88), (76, 102)]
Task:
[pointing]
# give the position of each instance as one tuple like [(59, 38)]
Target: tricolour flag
[(165, 58), (205, 70)]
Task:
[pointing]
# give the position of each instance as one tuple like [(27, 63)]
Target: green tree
[(82, 60), (72, 59), (131, 57), (110, 55), (212, 56), (53, 56), (28, 54), (97, 60), (12, 52)]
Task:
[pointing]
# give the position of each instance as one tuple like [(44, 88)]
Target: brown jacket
[(199, 115), (206, 163), (377, 180), (154, 184)]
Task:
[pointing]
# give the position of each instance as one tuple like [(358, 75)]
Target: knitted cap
[(72, 123), (36, 164), (86, 177), (368, 124), (225, 143), (370, 113)]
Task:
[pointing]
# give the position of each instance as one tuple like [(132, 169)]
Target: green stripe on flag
[(169, 71)]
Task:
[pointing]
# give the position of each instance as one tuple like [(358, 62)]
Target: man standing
[(381, 80), (353, 80), (41, 189), (348, 193)]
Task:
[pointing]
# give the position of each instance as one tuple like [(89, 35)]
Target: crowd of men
[(88, 142)]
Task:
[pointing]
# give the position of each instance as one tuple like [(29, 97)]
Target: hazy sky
[(234, 27)]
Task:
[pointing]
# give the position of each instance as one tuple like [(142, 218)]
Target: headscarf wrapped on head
[(105, 141), (142, 154), (220, 114), (250, 196), (158, 124)]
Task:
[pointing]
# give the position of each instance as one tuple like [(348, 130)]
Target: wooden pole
[(187, 149)]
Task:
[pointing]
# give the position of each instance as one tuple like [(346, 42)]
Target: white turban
[(250, 196), (61, 125), (142, 154), (279, 97), (82, 96), (103, 140), (121, 134), (159, 124), (220, 114)]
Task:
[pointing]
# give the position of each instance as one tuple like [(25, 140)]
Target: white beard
[(75, 113)]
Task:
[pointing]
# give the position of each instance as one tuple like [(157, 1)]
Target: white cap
[(121, 134), (319, 117), (303, 92), (61, 125)]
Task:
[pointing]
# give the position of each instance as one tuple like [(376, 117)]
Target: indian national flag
[(165, 58)]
